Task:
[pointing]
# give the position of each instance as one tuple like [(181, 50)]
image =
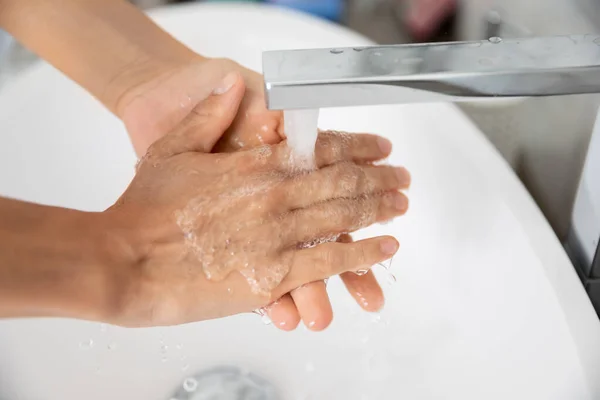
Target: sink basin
[(485, 303)]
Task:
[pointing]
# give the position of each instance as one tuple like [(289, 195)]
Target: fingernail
[(226, 84), (403, 177), (389, 247), (384, 145)]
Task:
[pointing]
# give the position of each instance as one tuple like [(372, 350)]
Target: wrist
[(159, 98), (57, 262), (87, 267), (135, 78)]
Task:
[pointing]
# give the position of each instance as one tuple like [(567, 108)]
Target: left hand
[(165, 100)]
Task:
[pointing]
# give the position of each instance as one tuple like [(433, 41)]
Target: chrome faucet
[(457, 71)]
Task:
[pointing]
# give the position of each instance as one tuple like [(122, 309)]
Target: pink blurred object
[(424, 17)]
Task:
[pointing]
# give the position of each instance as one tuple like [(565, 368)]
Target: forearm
[(54, 262), (107, 46)]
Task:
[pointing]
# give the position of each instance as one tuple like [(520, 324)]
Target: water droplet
[(358, 49), (185, 367), (361, 272), (164, 348), (336, 51), (376, 318), (377, 54), (265, 319), (164, 359), (179, 346), (311, 324), (391, 279), (111, 346), (86, 344), (229, 290), (495, 39), (190, 385), (310, 367), (387, 264)]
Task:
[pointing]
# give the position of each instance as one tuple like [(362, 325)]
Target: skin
[(170, 250), (155, 85)]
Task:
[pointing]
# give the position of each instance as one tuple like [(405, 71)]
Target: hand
[(162, 103), (213, 235)]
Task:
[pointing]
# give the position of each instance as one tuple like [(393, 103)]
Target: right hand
[(212, 235)]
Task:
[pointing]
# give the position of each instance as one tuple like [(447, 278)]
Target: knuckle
[(350, 178), (201, 113)]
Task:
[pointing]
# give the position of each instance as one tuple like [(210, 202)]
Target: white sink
[(486, 303)]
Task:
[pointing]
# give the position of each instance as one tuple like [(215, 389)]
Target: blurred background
[(544, 140)]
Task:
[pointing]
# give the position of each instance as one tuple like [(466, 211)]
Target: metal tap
[(456, 71)]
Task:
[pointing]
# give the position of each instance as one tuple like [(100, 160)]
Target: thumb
[(206, 122)]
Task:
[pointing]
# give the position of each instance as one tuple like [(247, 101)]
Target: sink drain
[(225, 383)]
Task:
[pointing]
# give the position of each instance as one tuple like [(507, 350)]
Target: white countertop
[(486, 306)]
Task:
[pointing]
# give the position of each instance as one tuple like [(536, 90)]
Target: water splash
[(264, 317), (391, 279)]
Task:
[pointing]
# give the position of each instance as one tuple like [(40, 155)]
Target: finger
[(251, 129), (365, 290), (342, 180), (341, 215), (207, 121), (283, 313), (332, 147), (329, 259), (313, 305)]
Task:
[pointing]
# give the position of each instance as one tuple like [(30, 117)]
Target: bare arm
[(107, 46), (55, 262)]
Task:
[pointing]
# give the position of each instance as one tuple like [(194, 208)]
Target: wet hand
[(211, 235), (172, 98), (165, 100)]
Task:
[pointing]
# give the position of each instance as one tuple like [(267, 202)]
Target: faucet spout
[(456, 71)]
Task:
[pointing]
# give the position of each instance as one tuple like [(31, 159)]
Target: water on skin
[(301, 131)]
